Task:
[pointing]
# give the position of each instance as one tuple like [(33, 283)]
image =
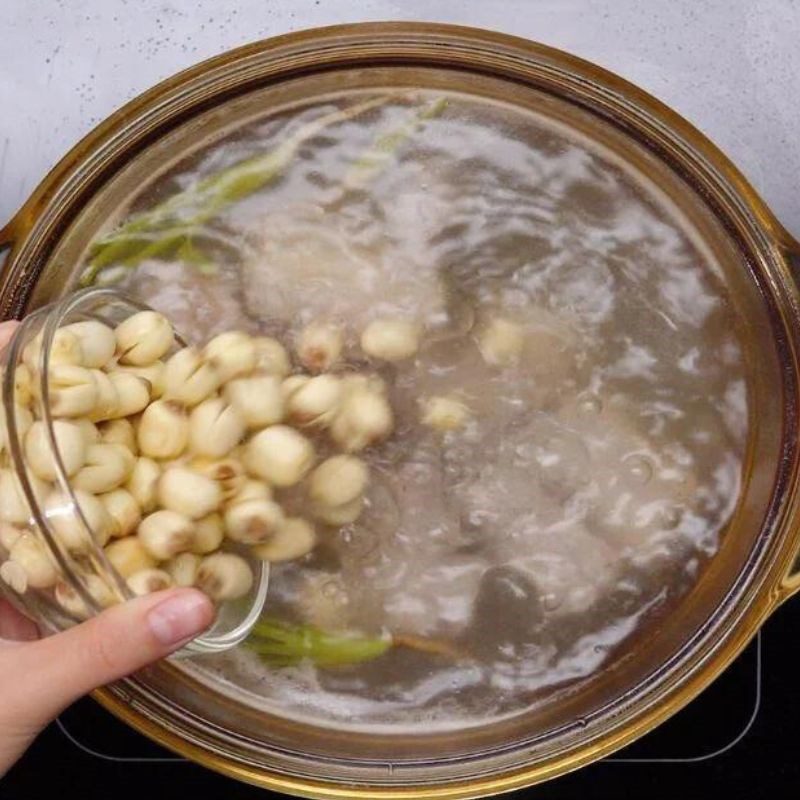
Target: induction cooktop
[(737, 740)]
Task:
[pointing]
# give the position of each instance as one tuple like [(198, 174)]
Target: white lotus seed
[(123, 510), (227, 472), (143, 483), (133, 393), (23, 385), (292, 384), (390, 339), (96, 340), (8, 535), (183, 569), (294, 539), (73, 604), (174, 463), (224, 576), (163, 430), (23, 420), (69, 444), (319, 346), (231, 354), (444, 413), (67, 522), (14, 506), (148, 581), (100, 591), (251, 490), (108, 401), (129, 556), (64, 349), (14, 576), (501, 341), (188, 492), (338, 480), (165, 534), (364, 418), (216, 428), (353, 382), (116, 431), (340, 515), (189, 379), (89, 431), (315, 402), (106, 467), (32, 555), (143, 338), (154, 374), (279, 455), (257, 398), (72, 390), (252, 521), (271, 356), (70, 600), (208, 534)]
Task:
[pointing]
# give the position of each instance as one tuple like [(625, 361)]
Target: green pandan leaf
[(281, 643), (157, 233), (384, 148)]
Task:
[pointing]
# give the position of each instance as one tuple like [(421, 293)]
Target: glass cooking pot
[(189, 709)]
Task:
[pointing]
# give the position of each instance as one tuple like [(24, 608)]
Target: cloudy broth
[(595, 475)]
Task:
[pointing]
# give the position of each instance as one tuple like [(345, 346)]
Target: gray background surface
[(732, 67)]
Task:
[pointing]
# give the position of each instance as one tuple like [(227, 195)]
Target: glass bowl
[(66, 584)]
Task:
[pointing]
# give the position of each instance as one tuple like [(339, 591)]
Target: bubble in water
[(360, 541), (526, 452), (331, 590), (590, 405), (454, 321), (581, 598), (550, 601), (563, 463), (477, 518), (671, 517), (639, 468)]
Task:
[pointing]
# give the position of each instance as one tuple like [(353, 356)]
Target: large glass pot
[(190, 708)]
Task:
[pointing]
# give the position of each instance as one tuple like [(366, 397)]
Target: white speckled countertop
[(732, 68)]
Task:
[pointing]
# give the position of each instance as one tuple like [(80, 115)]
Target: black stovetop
[(738, 740)]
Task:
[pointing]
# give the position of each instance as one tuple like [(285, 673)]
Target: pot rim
[(18, 227), (139, 118)]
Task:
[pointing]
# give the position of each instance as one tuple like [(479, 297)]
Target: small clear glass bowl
[(70, 586)]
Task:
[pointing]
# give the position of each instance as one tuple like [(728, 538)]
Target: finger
[(14, 626), (7, 331), (54, 672)]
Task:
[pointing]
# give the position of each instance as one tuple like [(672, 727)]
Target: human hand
[(40, 677)]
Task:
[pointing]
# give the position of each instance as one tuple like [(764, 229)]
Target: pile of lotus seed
[(174, 455)]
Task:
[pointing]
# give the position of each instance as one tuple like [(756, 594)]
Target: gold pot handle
[(790, 585), (8, 235), (11, 234)]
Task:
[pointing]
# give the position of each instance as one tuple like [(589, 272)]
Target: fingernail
[(181, 616)]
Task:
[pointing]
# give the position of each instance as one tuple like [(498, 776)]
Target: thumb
[(59, 669)]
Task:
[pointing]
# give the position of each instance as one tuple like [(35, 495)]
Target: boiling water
[(594, 479)]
